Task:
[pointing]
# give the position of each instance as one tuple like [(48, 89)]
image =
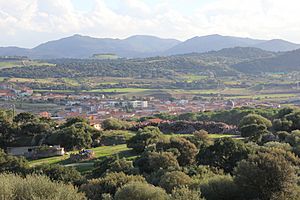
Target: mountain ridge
[(79, 46)]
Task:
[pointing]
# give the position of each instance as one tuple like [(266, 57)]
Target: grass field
[(100, 152), (20, 63)]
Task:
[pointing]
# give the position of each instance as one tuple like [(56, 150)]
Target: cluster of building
[(98, 107), (12, 92)]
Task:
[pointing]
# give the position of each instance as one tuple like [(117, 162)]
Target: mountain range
[(78, 46)]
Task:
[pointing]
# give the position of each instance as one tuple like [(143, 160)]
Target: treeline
[(231, 117)]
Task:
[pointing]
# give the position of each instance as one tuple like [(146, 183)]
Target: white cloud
[(33, 21)]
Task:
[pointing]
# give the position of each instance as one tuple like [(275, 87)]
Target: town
[(97, 106)]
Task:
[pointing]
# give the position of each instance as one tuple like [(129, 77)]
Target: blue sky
[(31, 22)]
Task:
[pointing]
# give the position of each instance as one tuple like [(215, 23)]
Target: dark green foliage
[(141, 191), (152, 161), (14, 187), (74, 136), (13, 164), (255, 119), (187, 150), (113, 164), (110, 183), (73, 120), (188, 117), (156, 67), (174, 179), (200, 139), (220, 188), (266, 176), (284, 62), (254, 126), (144, 139), (224, 154), (59, 173), (71, 138)]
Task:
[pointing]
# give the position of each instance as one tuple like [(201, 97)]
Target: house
[(45, 114), (36, 151), (7, 95)]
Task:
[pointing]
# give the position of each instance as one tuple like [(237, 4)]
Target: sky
[(27, 23)]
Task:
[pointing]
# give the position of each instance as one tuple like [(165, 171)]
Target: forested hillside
[(215, 62)]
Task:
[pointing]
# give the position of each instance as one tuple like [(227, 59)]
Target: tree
[(72, 137), (141, 191), (115, 124), (266, 176), (187, 150), (254, 132), (36, 187), (188, 116), (224, 154), (74, 120), (200, 139), (144, 138), (153, 161), (254, 126), (13, 164), (171, 180), (255, 119), (109, 184), (25, 117), (59, 173), (113, 164)]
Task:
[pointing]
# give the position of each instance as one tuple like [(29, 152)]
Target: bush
[(220, 188), (115, 124), (141, 191), (113, 164), (35, 187), (144, 139), (184, 193), (267, 176), (224, 154), (73, 137), (59, 173), (187, 150), (109, 184), (153, 161), (174, 179), (13, 164)]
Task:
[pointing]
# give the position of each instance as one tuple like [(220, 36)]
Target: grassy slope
[(101, 152)]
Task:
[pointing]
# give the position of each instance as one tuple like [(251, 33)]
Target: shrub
[(224, 154), (109, 184), (115, 124), (144, 139), (13, 164), (188, 150), (35, 187), (174, 179), (153, 161), (59, 173), (141, 191), (266, 176), (220, 187), (113, 164), (184, 193)]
